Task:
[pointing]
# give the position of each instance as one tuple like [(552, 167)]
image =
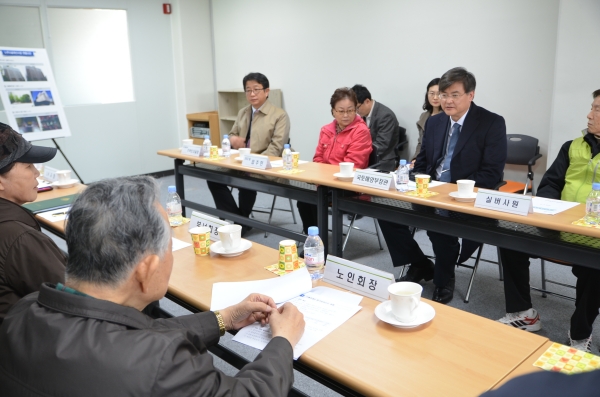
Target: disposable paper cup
[(231, 236), (201, 240), (187, 142), (63, 176), (214, 152), (405, 297), (288, 255), (465, 187), (422, 181), (346, 169), (295, 159), (244, 151)]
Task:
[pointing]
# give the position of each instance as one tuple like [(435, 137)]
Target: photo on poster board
[(29, 94)]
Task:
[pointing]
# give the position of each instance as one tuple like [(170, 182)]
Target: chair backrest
[(373, 157), (521, 148)]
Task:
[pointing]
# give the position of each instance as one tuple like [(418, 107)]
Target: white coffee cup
[(346, 169), (63, 176), (244, 151), (465, 187), (231, 236), (405, 297)]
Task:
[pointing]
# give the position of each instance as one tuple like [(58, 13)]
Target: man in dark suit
[(383, 125), (464, 142)]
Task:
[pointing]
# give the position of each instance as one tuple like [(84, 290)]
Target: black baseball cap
[(14, 148)]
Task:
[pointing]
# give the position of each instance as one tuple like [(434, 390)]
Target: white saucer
[(463, 199), (344, 178), (66, 184), (217, 248), (239, 158), (425, 312)]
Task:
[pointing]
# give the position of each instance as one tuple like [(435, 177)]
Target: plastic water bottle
[(314, 254), (174, 207), (287, 158), (206, 146), (226, 146), (402, 177), (592, 205)]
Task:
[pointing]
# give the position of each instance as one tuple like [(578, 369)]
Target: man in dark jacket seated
[(89, 337)]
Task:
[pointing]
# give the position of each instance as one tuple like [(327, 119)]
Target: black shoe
[(418, 272), (444, 294), (246, 230)]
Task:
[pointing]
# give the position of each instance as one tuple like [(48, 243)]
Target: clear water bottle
[(174, 207), (226, 146), (314, 254), (592, 205), (206, 146), (287, 157), (402, 177)]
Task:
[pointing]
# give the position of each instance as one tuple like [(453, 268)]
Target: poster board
[(29, 94)]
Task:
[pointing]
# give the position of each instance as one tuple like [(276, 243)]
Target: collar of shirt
[(460, 121), (368, 118)]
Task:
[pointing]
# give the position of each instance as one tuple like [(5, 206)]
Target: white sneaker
[(528, 320), (582, 344)]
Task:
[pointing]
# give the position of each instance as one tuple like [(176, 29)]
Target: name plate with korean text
[(200, 219), (374, 179), (50, 174), (363, 280), (256, 161), (517, 204), (192, 150)]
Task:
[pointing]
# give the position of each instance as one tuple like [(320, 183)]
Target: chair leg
[(543, 278), (378, 234), (271, 214), (500, 271), (348, 234), (473, 274), (292, 211)]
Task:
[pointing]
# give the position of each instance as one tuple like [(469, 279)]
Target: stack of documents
[(324, 308)]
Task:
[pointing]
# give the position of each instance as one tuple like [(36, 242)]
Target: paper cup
[(63, 176), (288, 255), (214, 152), (346, 169), (187, 142), (422, 181), (295, 159), (405, 297), (465, 187), (231, 236), (244, 151), (201, 240)]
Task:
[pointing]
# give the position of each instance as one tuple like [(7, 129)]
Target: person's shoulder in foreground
[(89, 337), (550, 384)]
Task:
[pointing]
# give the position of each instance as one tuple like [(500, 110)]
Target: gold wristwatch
[(221, 322)]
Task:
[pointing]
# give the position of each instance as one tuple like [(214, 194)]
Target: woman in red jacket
[(346, 139)]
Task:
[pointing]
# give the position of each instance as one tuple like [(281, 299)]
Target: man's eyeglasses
[(349, 111), (254, 91), (454, 96)]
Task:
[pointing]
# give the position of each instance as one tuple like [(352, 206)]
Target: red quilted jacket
[(352, 144)]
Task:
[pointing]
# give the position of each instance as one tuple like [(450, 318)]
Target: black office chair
[(402, 140), (521, 150)]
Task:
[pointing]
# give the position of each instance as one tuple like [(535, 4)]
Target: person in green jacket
[(569, 178)]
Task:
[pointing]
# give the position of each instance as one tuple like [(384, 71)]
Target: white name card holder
[(363, 280), (256, 161), (50, 174), (200, 219), (517, 204), (374, 179), (192, 150)]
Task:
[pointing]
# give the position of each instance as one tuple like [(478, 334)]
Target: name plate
[(200, 219), (363, 280), (512, 203), (256, 161), (192, 150), (50, 174), (374, 179)]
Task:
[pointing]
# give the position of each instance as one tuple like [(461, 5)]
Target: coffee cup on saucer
[(231, 236), (244, 151), (405, 297), (346, 169), (465, 187), (64, 176)]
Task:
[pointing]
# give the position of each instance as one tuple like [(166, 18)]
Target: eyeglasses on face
[(434, 94), (454, 96), (349, 111), (254, 91)]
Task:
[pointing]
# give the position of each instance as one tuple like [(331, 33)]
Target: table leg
[(336, 224), (179, 183), (322, 218)]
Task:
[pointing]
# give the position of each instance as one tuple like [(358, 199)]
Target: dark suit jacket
[(384, 134), (480, 153)]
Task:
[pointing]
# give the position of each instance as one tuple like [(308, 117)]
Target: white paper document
[(179, 244), (56, 215), (280, 289), (548, 206), (279, 163), (324, 310)]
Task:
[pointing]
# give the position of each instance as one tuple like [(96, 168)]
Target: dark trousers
[(404, 250), (224, 199), (517, 295), (308, 214)]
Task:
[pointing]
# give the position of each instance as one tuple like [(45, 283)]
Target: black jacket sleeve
[(553, 181)]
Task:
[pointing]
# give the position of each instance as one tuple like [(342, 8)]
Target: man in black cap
[(27, 256)]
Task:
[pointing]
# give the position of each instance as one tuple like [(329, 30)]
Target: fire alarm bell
[(166, 8)]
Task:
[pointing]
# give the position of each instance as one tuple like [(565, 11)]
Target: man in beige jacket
[(259, 126)]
